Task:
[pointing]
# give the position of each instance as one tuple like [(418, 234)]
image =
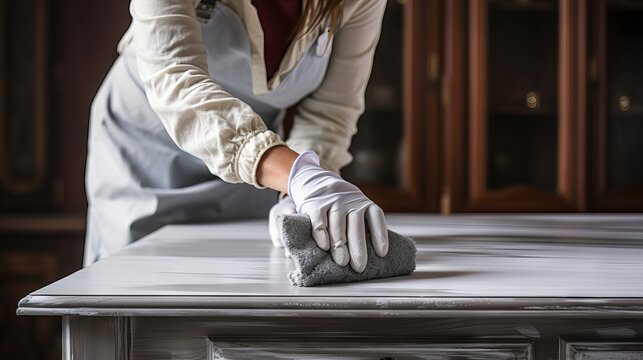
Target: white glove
[(285, 206), (337, 211)]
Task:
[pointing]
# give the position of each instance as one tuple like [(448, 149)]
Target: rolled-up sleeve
[(327, 119), (198, 114)]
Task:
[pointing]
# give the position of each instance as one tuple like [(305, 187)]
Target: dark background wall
[(53, 57)]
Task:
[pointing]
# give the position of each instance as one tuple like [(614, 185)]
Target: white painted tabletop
[(485, 262)]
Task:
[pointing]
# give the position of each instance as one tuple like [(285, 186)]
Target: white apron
[(138, 180)]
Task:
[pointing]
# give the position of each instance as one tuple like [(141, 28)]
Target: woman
[(193, 107)]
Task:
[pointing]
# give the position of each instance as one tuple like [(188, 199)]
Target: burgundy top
[(278, 19)]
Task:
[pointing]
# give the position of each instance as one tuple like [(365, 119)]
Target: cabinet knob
[(533, 100), (624, 102)]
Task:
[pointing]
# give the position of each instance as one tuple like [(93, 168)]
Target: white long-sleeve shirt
[(221, 130)]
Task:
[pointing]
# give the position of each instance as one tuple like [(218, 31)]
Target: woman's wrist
[(274, 168)]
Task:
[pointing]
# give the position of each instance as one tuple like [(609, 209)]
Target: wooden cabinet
[(520, 141), (507, 106), (518, 144), (394, 163), (615, 104)]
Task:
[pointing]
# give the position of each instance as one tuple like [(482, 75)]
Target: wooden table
[(486, 287)]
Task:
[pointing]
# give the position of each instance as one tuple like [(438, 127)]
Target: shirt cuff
[(252, 149)]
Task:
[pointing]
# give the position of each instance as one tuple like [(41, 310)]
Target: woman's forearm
[(274, 168)]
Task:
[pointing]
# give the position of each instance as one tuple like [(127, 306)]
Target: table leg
[(95, 338)]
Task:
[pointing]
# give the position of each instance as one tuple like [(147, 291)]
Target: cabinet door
[(615, 104), (375, 351), (520, 153), (601, 350), (390, 147)]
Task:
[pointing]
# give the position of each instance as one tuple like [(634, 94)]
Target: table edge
[(338, 306)]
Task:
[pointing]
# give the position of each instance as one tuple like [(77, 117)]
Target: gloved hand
[(285, 206), (338, 211)]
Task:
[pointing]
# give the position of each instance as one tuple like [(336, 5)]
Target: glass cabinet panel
[(615, 104), (522, 63), (390, 156), (377, 147), (521, 107), (624, 96)]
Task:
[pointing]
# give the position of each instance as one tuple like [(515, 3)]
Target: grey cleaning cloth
[(314, 266)]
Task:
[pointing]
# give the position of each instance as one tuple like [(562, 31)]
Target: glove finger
[(319, 220), (337, 230), (379, 232), (356, 234)]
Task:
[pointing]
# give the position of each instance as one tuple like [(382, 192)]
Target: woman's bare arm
[(274, 168)]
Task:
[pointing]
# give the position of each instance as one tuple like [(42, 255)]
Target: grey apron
[(138, 180)]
